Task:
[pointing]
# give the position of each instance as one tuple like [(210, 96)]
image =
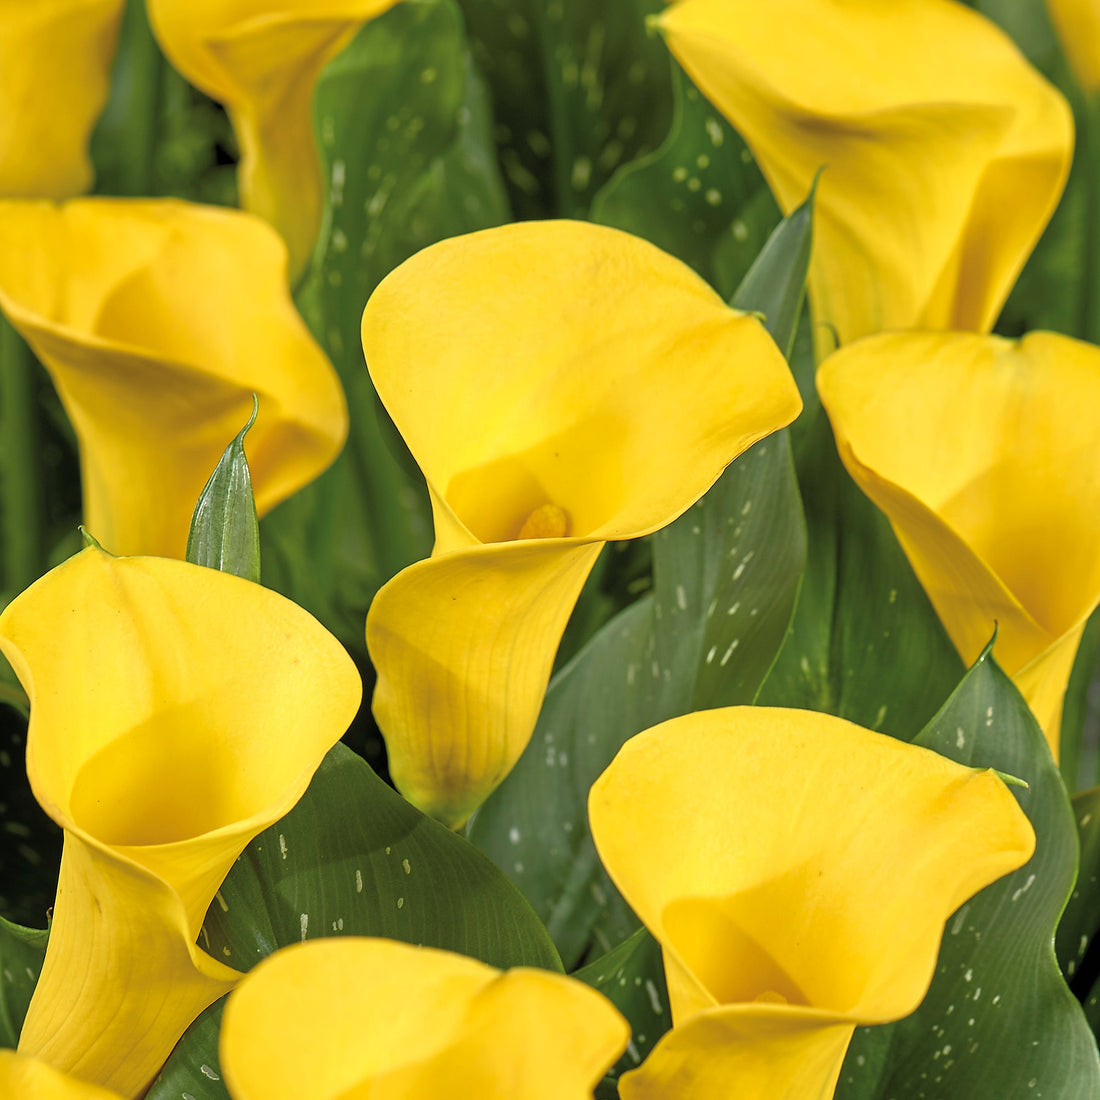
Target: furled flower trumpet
[(983, 454), (158, 320), (1078, 25), (763, 861), (175, 713), (944, 151), (261, 59), (348, 1016), (560, 384), (26, 1078), (55, 57)]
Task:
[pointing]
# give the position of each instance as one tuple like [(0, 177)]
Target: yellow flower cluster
[(560, 385)]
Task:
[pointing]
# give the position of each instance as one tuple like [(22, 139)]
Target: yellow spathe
[(261, 59), (560, 384), (945, 153), (158, 320), (797, 871), (25, 1078), (350, 1018), (55, 72), (984, 453), (175, 713), (1077, 23)]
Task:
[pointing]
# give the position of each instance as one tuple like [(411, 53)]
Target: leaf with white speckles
[(998, 1020), (21, 953), (578, 90), (726, 575), (632, 977), (354, 858), (700, 196)]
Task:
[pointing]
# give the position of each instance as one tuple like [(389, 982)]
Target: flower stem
[(20, 504)]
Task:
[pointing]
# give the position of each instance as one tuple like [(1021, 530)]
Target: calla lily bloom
[(261, 59), (1078, 25), (560, 384), (350, 1016), (158, 320), (797, 871), (983, 453), (55, 73), (24, 1078), (175, 713), (944, 151)]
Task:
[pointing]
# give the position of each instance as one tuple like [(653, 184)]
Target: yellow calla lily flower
[(560, 384), (158, 320), (350, 1016), (261, 59), (763, 863), (944, 151), (55, 73), (25, 1078), (175, 713), (1077, 23), (982, 452)]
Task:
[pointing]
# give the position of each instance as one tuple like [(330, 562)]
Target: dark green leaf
[(21, 953), (578, 89), (865, 642), (726, 574), (998, 1020), (225, 533), (354, 858), (1081, 920), (1075, 709), (699, 187), (632, 977)]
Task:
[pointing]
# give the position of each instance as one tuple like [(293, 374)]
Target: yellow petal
[(25, 1078), (465, 644), (55, 71), (354, 1018), (157, 321), (1078, 25), (982, 453), (765, 859), (769, 1052), (944, 151), (262, 60), (175, 713), (559, 384)]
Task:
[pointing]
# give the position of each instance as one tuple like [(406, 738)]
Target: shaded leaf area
[(578, 90), (726, 575), (631, 976), (998, 1019), (1081, 712), (158, 135), (354, 858), (403, 125), (1081, 920), (30, 843), (699, 196), (21, 953), (865, 642)]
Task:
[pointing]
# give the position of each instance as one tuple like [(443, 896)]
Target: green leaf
[(21, 953), (726, 576), (1081, 920), (632, 977), (354, 858), (578, 90), (1075, 707), (865, 643), (225, 533), (404, 130), (998, 1020), (699, 187)]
